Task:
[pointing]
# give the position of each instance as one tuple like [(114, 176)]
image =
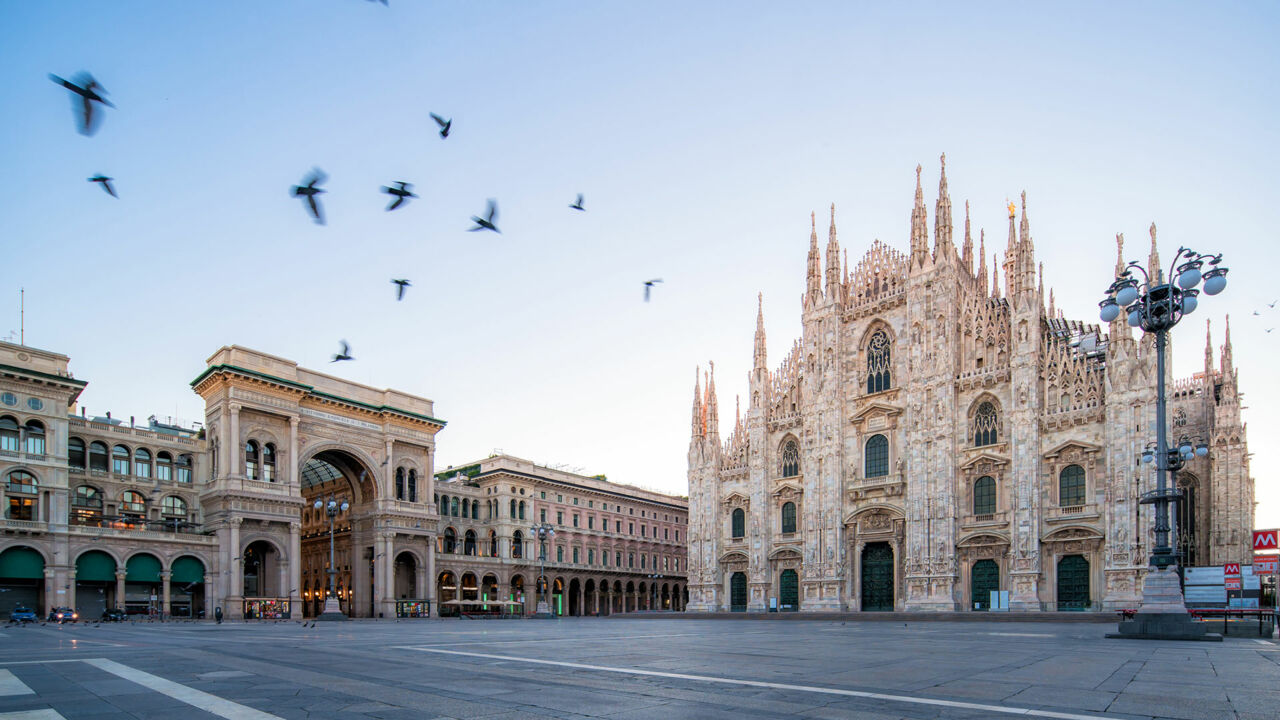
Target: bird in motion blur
[(344, 355), (486, 223), (578, 205), (445, 125), (309, 189), (87, 92), (400, 286), (384, 2), (105, 182), (401, 191), (648, 286)]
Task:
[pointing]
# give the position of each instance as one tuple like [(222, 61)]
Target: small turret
[(713, 409), (834, 282), (942, 229), (967, 251), (814, 271), (1208, 351), (699, 428), (919, 230), (982, 259), (1153, 260), (1227, 365), (761, 355)]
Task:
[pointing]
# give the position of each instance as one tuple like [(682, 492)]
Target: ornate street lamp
[(542, 531), (332, 609), (1156, 304)]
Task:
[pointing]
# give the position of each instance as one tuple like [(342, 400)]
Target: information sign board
[(1266, 564)]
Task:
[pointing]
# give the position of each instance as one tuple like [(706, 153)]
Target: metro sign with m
[(1266, 539)]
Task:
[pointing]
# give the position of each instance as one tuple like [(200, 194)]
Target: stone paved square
[(663, 668)]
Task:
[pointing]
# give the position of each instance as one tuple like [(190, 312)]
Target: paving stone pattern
[(368, 669)]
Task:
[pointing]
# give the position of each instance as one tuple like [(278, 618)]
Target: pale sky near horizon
[(702, 135)]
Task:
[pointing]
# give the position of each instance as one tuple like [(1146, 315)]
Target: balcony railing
[(995, 518), (8, 524), (1065, 512)]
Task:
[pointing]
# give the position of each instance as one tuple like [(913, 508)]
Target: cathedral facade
[(940, 433)]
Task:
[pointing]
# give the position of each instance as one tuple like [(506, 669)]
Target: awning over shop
[(142, 569), (96, 566), (187, 570), (21, 563)]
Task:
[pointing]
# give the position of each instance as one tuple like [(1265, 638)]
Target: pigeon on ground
[(445, 125), (648, 285), (486, 223), (402, 193), (309, 189), (88, 91), (578, 205), (400, 286), (344, 355), (106, 184)]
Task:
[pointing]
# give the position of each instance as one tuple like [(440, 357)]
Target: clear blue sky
[(702, 135)]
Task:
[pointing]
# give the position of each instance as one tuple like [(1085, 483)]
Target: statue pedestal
[(543, 610), (332, 610), (1163, 615)]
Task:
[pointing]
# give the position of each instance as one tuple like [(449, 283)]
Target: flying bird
[(1272, 304), (309, 190), (578, 205), (648, 285), (402, 193), (384, 2), (344, 355), (445, 125), (400, 286), (1270, 329), (486, 223), (87, 91), (1255, 312), (105, 182)]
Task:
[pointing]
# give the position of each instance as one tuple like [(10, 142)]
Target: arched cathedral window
[(878, 360), (1071, 486), (876, 460), (738, 524), (984, 496), (986, 425), (790, 459), (789, 517), (1180, 418)]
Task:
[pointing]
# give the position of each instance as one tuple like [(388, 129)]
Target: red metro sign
[(1231, 569), (1266, 540)]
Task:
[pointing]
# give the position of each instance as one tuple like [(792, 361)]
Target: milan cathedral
[(941, 438)]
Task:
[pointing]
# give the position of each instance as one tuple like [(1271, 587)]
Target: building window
[(559, 517), (21, 487), (184, 469), (75, 453), (453, 507), (466, 507), (399, 483), (986, 424), (413, 485), (617, 526), (876, 461), (522, 510), (790, 459), (133, 504), (493, 543), (450, 540), (642, 531), (878, 363), (120, 460), (575, 519), (86, 506), (251, 460), (1071, 486), (173, 506), (631, 528), (542, 515), (35, 437), (631, 560), (513, 508), (469, 543), (8, 434), (164, 466), (142, 463), (269, 462), (739, 524), (575, 556), (591, 522), (788, 517), (97, 456), (591, 556), (984, 496), (559, 553), (517, 544)]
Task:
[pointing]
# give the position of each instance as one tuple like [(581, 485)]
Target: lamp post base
[(543, 610), (1163, 615), (332, 610)]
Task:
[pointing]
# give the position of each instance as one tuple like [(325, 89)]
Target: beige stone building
[(940, 432), (159, 518)]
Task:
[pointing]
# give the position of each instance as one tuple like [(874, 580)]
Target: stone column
[(429, 591), (856, 601), (294, 465), (379, 576), (295, 569), (120, 576), (233, 607), (389, 576), (233, 449), (208, 598), (50, 591), (164, 593), (388, 477)]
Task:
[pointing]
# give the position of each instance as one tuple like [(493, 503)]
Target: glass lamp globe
[(1110, 310), (1189, 278), (1216, 281), (319, 504), (1202, 450), (1148, 456), (1190, 302), (1185, 447), (345, 506), (1126, 295), (1135, 318)]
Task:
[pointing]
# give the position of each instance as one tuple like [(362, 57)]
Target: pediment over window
[(983, 539), (736, 499), (733, 556), (1074, 533), (985, 462), (1072, 451), (876, 416), (785, 553), (788, 490)]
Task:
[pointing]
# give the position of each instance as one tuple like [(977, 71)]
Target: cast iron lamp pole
[(1156, 304), (332, 610), (543, 531)]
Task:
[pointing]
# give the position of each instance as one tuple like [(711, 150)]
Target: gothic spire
[(1208, 350), (982, 258), (995, 276), (1011, 253), (833, 260), (760, 358), (919, 230), (967, 255), (1026, 250), (942, 216), (814, 272), (1120, 263), (713, 408), (1227, 365), (699, 425), (1153, 260)]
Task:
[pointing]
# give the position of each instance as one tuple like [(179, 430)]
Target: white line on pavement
[(196, 698), (45, 714), (11, 685), (1008, 634), (1026, 712), (37, 662), (1262, 642), (574, 639)]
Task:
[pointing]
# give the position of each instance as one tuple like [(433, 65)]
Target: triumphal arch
[(282, 437)]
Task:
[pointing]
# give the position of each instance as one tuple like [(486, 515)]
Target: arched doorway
[(1073, 583), (642, 598), (666, 597), (629, 599), (142, 585), (590, 598), (575, 597), (446, 593), (557, 596), (470, 590), (984, 579), (789, 590), (406, 576), (877, 577), (22, 580), (186, 587), (96, 584), (517, 592), (337, 476), (489, 591), (738, 592), (619, 602)]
